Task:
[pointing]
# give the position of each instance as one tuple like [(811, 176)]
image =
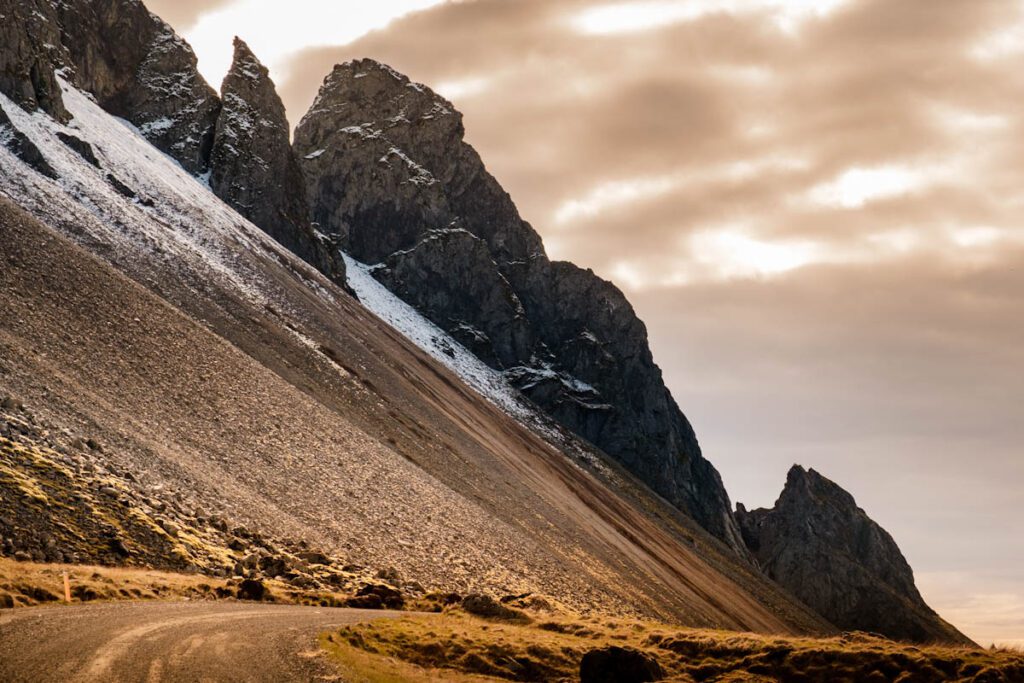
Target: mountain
[(825, 550), (139, 69), (220, 375), (187, 381), (253, 168), (391, 178)]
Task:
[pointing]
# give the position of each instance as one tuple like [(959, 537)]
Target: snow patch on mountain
[(488, 382), (173, 218)]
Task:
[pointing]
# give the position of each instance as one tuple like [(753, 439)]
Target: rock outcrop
[(30, 50), (824, 549), (23, 148), (130, 60), (254, 169), (390, 177), (138, 68)]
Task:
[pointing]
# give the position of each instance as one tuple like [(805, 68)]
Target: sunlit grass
[(456, 646)]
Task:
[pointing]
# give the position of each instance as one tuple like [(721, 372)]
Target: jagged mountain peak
[(828, 552), (368, 79), (245, 64), (254, 169), (803, 484), (386, 165)]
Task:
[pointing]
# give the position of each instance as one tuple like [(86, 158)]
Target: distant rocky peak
[(414, 128), (385, 162), (824, 549), (806, 485), (385, 97)]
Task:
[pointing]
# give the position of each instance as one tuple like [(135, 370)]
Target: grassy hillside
[(458, 647)]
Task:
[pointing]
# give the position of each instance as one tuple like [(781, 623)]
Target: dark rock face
[(818, 544), (390, 177), (131, 61), (30, 50), (408, 169), (138, 68), (453, 279), (253, 166)]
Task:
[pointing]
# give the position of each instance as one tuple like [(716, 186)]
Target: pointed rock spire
[(253, 167), (818, 544)]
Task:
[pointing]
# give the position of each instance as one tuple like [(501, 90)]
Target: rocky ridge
[(139, 69), (390, 177), (253, 168), (824, 549)]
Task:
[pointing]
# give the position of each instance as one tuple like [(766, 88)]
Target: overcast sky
[(815, 205)]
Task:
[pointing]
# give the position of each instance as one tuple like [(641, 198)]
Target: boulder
[(377, 596), (485, 606), (274, 565), (619, 665), (314, 558), (252, 589)]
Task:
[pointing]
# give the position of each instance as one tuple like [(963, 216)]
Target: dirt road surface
[(160, 641)]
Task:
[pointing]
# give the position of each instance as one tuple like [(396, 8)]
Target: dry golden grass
[(26, 583), (458, 647)]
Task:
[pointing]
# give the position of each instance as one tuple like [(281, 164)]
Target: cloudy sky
[(815, 205)]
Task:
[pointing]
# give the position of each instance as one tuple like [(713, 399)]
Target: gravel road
[(163, 641)]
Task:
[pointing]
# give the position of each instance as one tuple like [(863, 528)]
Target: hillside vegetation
[(455, 646)]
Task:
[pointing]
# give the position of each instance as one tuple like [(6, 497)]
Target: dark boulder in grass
[(487, 607), (377, 596), (252, 589), (619, 665)]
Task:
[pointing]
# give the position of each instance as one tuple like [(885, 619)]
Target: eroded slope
[(202, 353)]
